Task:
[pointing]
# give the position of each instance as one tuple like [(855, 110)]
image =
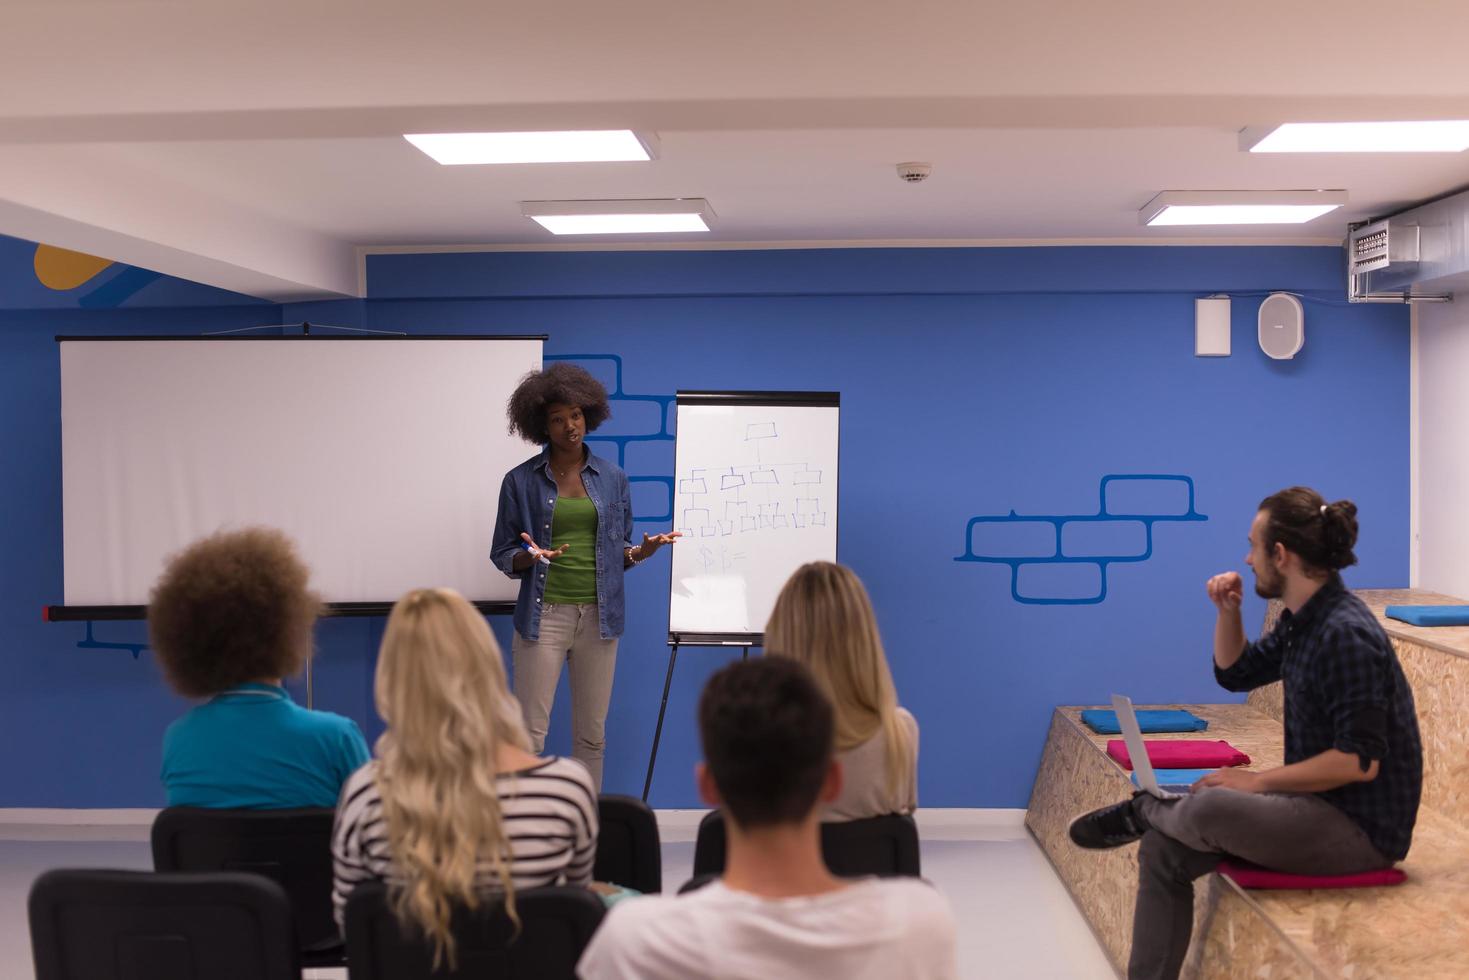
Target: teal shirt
[(253, 748)]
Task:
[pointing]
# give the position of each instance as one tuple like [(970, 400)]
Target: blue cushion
[(1431, 615), (1103, 721), (1177, 777)]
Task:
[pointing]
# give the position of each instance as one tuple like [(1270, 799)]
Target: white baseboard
[(970, 823), (678, 826), (934, 823)]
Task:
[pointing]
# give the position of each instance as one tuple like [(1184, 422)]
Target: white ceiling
[(255, 146)]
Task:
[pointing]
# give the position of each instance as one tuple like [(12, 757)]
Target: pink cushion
[(1181, 753), (1249, 876)]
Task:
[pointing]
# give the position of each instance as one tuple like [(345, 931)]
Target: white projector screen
[(382, 458), (756, 498)]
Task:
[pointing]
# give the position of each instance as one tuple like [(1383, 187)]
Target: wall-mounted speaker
[(1282, 326)]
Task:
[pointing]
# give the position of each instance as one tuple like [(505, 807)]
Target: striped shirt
[(549, 815)]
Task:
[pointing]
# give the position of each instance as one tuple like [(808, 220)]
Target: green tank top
[(572, 578)]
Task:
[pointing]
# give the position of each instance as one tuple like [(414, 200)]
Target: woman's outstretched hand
[(652, 542)]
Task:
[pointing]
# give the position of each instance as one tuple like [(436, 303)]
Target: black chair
[(290, 847), (556, 925), (695, 883), (137, 925), (886, 846), (628, 851)]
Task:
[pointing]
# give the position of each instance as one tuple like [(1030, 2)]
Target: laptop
[(1142, 766)]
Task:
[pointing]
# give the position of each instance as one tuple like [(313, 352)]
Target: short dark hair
[(767, 734), (563, 383), (230, 608), (1322, 534)]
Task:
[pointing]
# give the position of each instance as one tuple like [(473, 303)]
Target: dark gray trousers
[(1295, 832)]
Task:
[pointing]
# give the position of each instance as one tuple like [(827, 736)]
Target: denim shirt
[(527, 499)]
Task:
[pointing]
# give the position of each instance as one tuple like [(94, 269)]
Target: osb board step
[(1419, 929)]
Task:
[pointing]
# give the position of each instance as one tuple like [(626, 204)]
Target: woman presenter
[(564, 529)]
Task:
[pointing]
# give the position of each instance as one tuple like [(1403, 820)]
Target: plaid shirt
[(1344, 689)]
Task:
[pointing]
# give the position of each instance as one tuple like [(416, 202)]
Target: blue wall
[(974, 382)]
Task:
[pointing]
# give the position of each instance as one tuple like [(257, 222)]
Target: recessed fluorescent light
[(1429, 136), (620, 217), (575, 146), (1239, 207)]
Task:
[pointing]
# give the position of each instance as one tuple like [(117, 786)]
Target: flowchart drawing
[(1057, 555), (761, 491)]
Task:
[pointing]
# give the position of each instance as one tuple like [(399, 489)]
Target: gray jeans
[(569, 635), (1295, 832)]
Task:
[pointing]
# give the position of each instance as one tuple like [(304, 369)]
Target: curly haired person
[(564, 529), (230, 619)]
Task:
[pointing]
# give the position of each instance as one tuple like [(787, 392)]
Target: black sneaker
[(1111, 826)]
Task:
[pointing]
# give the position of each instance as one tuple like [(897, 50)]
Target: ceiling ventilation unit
[(1417, 255)]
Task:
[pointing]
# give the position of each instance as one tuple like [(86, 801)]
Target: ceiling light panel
[(1175, 208), (620, 217), (573, 146), (1427, 136)]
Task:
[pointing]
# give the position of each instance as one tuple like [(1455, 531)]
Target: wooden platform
[(1418, 930)]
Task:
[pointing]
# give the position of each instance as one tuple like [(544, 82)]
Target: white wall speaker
[(1211, 326), (1282, 326)]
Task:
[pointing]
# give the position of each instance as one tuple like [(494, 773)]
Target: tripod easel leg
[(658, 731)]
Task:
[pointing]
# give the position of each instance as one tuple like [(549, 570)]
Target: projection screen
[(382, 458)]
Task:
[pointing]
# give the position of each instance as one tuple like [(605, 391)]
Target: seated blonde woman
[(230, 618), (824, 619), (455, 805)]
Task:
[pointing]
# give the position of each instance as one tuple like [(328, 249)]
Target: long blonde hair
[(441, 689), (824, 619)]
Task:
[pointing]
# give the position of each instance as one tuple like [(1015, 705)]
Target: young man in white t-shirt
[(777, 911)]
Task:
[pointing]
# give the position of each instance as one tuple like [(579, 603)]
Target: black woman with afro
[(564, 529)]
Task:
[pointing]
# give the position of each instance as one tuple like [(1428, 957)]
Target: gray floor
[(1015, 919)]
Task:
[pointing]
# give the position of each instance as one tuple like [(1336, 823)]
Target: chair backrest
[(695, 883), (556, 925), (885, 845), (628, 850), (137, 925), (290, 847), (710, 845)]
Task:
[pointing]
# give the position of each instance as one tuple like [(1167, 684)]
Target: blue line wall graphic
[(1054, 537), (89, 643)]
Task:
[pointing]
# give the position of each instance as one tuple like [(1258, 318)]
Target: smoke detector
[(914, 172)]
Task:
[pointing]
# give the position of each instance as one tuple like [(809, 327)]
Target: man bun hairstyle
[(1322, 533), (563, 383), (767, 732)]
